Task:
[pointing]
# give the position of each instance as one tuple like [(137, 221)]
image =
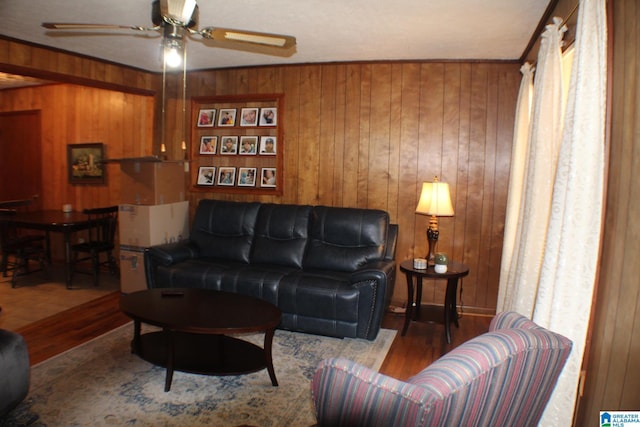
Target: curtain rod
[(564, 21), (540, 29)]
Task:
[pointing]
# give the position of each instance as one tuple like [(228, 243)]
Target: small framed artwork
[(206, 117), (247, 177), (208, 144), (268, 145), (269, 116), (227, 117), (248, 145), (249, 117), (268, 177), (85, 163), (206, 175), (227, 176), (229, 145)]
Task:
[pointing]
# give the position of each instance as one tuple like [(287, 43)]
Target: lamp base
[(432, 238)]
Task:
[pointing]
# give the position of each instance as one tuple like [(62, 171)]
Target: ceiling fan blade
[(180, 11), (73, 26), (252, 37)]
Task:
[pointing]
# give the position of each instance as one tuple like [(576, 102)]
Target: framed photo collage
[(237, 144)]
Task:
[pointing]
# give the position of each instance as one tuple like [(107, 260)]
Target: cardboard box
[(152, 183), (132, 276), (141, 226)]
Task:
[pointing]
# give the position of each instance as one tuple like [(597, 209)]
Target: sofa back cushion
[(225, 230), (281, 235), (345, 239)]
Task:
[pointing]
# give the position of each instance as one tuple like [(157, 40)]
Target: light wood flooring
[(53, 319), (39, 295)]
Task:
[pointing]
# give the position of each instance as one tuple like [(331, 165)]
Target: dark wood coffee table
[(196, 324)]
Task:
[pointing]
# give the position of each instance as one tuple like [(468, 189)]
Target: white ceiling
[(326, 30)]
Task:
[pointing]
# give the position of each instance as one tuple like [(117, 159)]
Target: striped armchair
[(502, 378)]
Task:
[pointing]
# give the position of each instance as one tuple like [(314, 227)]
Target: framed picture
[(269, 116), (227, 117), (229, 145), (247, 177), (248, 145), (206, 117), (268, 145), (85, 163), (249, 117), (268, 177), (206, 175), (208, 144), (227, 176)]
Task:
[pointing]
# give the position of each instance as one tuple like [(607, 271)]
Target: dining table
[(57, 221)]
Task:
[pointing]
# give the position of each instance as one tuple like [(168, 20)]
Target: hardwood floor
[(67, 329), (423, 343)]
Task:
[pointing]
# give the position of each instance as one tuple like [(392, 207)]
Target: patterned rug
[(101, 383)]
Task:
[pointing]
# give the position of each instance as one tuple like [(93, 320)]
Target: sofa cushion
[(256, 280), (204, 273), (225, 230), (281, 235), (345, 239)]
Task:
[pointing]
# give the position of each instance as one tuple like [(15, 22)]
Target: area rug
[(101, 383)]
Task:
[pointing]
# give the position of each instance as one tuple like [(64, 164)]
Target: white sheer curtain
[(516, 178), (519, 282), (573, 239), (552, 271)]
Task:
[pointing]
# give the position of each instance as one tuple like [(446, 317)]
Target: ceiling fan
[(175, 19)]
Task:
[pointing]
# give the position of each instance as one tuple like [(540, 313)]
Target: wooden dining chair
[(101, 240), (19, 250)]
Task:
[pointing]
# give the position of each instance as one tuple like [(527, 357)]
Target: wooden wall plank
[(612, 382)]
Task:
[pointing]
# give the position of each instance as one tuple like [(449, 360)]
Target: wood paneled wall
[(368, 135), (76, 114), (73, 114), (361, 135), (111, 104), (612, 380)]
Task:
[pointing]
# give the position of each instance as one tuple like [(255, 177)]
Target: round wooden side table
[(455, 271)]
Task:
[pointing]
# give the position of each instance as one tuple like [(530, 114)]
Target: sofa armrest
[(346, 393), (166, 255), (172, 253), (384, 273)]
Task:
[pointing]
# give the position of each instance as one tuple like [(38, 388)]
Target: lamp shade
[(435, 199)]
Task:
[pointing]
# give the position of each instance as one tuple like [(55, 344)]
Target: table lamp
[(435, 200)]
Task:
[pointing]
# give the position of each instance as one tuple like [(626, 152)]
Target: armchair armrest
[(348, 394)]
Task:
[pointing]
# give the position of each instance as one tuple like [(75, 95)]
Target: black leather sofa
[(330, 270)]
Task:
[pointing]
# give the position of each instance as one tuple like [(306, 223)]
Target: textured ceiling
[(326, 30)]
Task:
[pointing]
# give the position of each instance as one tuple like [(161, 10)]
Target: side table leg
[(418, 303), (450, 309), (268, 340), (409, 311)]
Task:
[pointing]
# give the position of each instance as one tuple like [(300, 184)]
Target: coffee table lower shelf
[(204, 354)]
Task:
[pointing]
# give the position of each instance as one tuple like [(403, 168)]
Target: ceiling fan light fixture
[(173, 51)]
